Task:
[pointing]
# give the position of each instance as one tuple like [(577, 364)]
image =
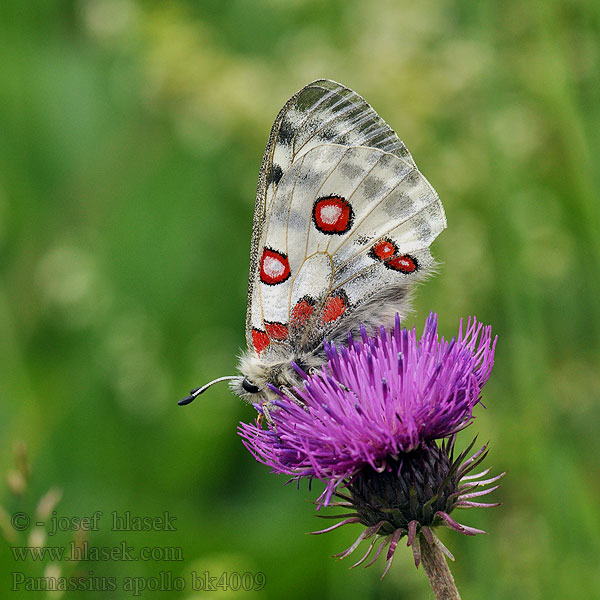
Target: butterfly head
[(262, 372)]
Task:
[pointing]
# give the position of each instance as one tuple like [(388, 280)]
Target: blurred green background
[(130, 139)]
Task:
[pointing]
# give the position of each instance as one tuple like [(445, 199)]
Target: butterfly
[(343, 222)]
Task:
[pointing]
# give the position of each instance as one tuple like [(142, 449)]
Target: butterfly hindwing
[(342, 215)]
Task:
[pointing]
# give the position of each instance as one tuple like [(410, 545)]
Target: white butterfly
[(343, 222)]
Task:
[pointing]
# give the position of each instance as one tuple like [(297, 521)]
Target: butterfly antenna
[(195, 393)]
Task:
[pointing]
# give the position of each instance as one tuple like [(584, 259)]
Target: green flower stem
[(438, 573)]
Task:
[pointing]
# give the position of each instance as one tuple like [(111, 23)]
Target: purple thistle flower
[(368, 420), (374, 400)]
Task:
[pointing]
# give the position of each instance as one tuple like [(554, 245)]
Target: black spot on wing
[(286, 133), (328, 134), (274, 175)]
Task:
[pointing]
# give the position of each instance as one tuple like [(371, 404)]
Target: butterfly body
[(343, 222)]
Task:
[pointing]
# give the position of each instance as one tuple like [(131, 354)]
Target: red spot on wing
[(384, 249), (274, 267), (276, 331), (404, 264), (334, 308), (260, 339), (302, 311), (332, 215)]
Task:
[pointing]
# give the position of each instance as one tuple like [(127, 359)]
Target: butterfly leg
[(290, 394), (266, 412)]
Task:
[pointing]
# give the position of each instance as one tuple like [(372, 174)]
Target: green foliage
[(130, 139)]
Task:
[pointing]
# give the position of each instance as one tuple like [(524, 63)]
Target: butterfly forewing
[(342, 213)]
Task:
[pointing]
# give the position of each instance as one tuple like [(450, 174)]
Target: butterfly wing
[(342, 217)]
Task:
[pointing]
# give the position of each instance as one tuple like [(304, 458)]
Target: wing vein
[(287, 227)]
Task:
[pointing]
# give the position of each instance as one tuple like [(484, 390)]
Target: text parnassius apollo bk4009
[(343, 222)]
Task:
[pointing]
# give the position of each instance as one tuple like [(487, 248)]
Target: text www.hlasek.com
[(84, 552)]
